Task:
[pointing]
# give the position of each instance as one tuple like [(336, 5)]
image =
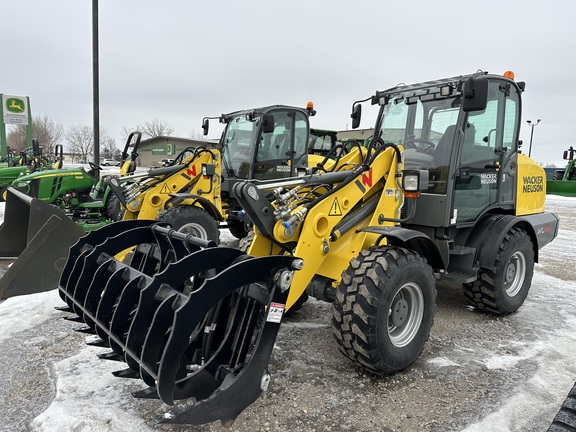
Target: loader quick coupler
[(190, 319)]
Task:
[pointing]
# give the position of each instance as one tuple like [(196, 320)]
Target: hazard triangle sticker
[(335, 210)]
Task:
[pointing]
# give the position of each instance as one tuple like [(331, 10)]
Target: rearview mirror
[(205, 126), (268, 123), (356, 116), (475, 95)]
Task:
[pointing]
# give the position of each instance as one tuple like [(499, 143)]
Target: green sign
[(15, 109), (167, 149), (15, 105)]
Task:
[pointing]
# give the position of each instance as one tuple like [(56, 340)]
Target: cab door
[(484, 176)]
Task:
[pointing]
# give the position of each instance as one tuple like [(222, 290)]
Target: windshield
[(249, 152), (425, 125), (237, 144)]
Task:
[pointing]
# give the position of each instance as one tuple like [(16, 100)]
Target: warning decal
[(165, 189), (335, 210), (275, 312)]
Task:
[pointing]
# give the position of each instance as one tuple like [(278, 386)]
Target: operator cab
[(265, 143), (464, 131)]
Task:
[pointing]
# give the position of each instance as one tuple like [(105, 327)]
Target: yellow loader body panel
[(530, 187)]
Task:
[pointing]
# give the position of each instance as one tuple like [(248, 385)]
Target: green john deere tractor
[(29, 161), (77, 192)]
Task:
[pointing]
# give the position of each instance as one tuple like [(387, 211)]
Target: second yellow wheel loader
[(192, 195), (441, 192)]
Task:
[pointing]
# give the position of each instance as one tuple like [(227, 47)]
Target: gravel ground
[(477, 372)]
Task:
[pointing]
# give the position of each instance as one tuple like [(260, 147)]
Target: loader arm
[(317, 218), (147, 198)]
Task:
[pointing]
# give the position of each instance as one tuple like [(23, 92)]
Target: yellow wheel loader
[(441, 192)]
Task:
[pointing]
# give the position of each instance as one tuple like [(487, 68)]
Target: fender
[(409, 239), (201, 201), (489, 232)]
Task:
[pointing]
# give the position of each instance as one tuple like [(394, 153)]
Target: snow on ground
[(89, 398)]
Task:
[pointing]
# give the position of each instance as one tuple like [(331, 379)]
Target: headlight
[(411, 182), (414, 181)]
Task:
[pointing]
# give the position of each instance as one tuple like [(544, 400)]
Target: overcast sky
[(181, 60)]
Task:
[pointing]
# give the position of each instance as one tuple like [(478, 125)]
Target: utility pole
[(531, 134), (95, 83)]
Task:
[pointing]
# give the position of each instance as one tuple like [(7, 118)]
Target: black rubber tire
[(565, 420), (238, 228), (113, 209), (504, 290), (193, 220), (384, 309), (558, 175)]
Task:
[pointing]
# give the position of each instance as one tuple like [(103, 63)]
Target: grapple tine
[(155, 338), (126, 373), (93, 290), (147, 393), (71, 273), (122, 313), (85, 329), (110, 355)]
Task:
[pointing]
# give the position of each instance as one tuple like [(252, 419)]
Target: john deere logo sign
[(15, 105), (15, 109)]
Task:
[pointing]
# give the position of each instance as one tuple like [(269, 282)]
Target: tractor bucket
[(37, 236), (189, 319)]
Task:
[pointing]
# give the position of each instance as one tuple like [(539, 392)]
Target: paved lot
[(477, 372)]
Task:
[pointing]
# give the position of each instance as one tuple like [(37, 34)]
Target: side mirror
[(268, 123), (474, 95), (205, 126), (356, 116)]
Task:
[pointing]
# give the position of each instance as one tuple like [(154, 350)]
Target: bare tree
[(194, 134), (149, 129), (81, 140), (44, 129), (109, 150), (155, 128), (127, 130)]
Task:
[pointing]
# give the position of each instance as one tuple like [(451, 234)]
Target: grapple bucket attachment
[(190, 319), (37, 236)]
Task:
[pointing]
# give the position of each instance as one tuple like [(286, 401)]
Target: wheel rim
[(515, 274), (195, 229), (405, 314)]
